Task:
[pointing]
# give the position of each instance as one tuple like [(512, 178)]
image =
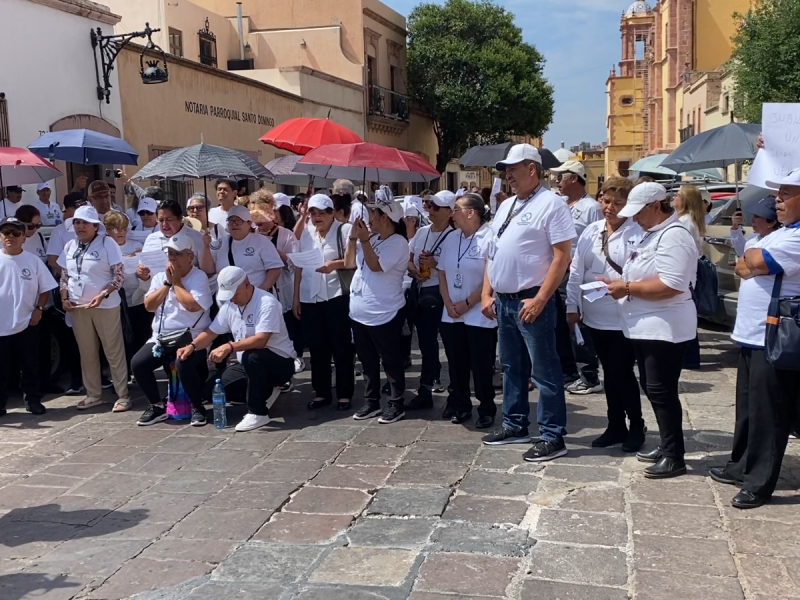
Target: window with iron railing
[(686, 133), (5, 130), (386, 103), (208, 46)]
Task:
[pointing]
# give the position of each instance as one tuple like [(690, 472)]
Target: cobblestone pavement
[(321, 507)]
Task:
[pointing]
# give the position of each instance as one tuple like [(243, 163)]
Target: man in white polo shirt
[(533, 236), (50, 212), (260, 343)]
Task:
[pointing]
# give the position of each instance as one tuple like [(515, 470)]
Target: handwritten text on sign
[(221, 112), (781, 153)]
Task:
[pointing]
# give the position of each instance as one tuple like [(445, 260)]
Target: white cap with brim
[(180, 242), (571, 166), (642, 195), (43, 186), (282, 199), (793, 179), (519, 153), (228, 281), (459, 193), (238, 211), (86, 213), (147, 204), (445, 199), (320, 202), (393, 210)]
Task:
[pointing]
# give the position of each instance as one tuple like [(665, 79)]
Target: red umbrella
[(303, 134), (366, 162), (19, 166)]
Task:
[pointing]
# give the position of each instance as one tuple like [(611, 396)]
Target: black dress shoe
[(611, 437), (650, 456), (719, 474), (666, 467), (745, 499), (484, 422), (317, 404), (344, 405), (635, 439), (449, 412), (35, 408), (460, 417)]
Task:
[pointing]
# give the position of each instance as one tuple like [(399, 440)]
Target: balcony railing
[(686, 133), (389, 104)]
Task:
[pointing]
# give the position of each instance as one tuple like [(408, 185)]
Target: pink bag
[(178, 404)]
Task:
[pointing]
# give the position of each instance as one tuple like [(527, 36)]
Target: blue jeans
[(523, 345)]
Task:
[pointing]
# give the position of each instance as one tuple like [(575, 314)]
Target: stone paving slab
[(320, 507)]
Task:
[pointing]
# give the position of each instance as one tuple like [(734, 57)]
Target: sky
[(580, 41)]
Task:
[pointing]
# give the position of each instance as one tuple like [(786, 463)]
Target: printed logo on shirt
[(40, 251), (576, 213), (26, 274), (250, 319), (249, 251), (216, 245), (94, 254), (525, 218), (474, 252)]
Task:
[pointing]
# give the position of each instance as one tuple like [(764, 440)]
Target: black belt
[(520, 295)]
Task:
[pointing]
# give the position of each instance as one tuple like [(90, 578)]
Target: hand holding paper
[(594, 290), (308, 259)]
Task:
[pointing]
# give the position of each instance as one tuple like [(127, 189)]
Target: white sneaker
[(252, 421), (299, 365), (274, 396)]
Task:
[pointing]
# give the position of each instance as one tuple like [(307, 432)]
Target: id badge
[(492, 252), (458, 281), (357, 285), (76, 285)]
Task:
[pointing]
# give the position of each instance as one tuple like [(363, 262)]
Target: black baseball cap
[(14, 222), (14, 188)]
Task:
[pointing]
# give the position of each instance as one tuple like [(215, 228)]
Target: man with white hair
[(50, 212)]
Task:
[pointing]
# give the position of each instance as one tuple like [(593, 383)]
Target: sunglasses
[(196, 207), (146, 212), (32, 227), (431, 206), (11, 232)]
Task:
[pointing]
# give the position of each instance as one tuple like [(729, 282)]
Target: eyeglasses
[(11, 231), (236, 221), (32, 226), (194, 207), (431, 206)]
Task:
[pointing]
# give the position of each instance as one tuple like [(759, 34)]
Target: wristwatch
[(168, 284), (106, 294), (40, 308)]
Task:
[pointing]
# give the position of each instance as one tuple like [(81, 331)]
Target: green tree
[(765, 57), (470, 70)]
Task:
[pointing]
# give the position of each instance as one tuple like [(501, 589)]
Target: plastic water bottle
[(220, 412)]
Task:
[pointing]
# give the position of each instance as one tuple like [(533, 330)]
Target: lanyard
[(80, 252), (460, 254), (513, 213), (436, 243), (374, 248)]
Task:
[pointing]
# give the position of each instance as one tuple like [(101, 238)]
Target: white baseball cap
[(393, 210), (572, 166), (228, 281), (519, 153), (148, 204), (281, 199), (43, 186), (320, 202), (445, 198), (180, 242), (459, 192), (86, 213), (239, 211), (793, 179), (642, 195)]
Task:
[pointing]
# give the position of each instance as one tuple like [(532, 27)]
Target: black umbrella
[(489, 156), (716, 148), (203, 161)]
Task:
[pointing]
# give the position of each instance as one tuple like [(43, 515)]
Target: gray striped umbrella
[(203, 161)]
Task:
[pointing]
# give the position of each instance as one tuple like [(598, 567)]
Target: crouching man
[(261, 345)]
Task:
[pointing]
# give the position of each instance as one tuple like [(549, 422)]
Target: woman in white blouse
[(602, 251), (470, 339), (322, 304), (658, 315), (380, 256)]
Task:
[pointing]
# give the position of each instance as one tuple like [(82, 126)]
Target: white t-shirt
[(672, 257), (95, 272), (255, 254), (755, 293), (358, 209), (157, 240), (589, 263), (59, 237), (24, 278), (320, 287), (375, 298), (263, 314), (522, 256), (175, 316), (139, 233), (686, 221), (219, 216), (426, 241), (50, 214), (9, 208), (36, 246), (463, 263), (584, 212), (133, 293)]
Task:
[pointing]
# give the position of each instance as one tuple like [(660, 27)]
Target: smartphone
[(109, 173)]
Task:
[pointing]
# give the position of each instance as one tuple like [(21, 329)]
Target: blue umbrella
[(84, 146)]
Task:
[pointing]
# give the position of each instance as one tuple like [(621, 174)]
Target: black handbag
[(706, 292), (782, 343), (345, 275), (170, 342)]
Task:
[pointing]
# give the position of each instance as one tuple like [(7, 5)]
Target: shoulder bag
[(170, 342), (705, 292), (782, 343), (345, 275)]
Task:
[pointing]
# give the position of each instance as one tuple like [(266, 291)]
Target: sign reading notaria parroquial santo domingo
[(220, 112)]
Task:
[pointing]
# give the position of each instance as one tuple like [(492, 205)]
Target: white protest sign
[(781, 153), (496, 186)]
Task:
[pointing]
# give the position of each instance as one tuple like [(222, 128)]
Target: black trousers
[(294, 328), (660, 365), (46, 327), (576, 361), (192, 372), (766, 409), (25, 347), (141, 323), (472, 350), (408, 324), (376, 344), (253, 380), (326, 326), (618, 358), (427, 318)]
